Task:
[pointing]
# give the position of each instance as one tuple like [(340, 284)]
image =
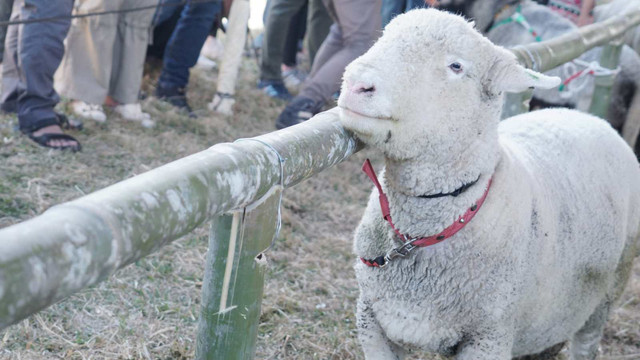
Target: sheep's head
[(430, 84)]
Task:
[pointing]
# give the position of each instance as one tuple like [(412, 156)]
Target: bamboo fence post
[(234, 281), (602, 92)]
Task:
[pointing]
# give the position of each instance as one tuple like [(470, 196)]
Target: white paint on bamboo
[(176, 204), (79, 259), (113, 260), (38, 275), (226, 310), (233, 237), (149, 199), (75, 234)]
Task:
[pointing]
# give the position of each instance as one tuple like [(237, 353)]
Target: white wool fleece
[(551, 248)]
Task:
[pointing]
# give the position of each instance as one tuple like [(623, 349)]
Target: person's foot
[(175, 96), (52, 137), (300, 109), (205, 63), (133, 112), (88, 111), (293, 78), (274, 89), (212, 48)]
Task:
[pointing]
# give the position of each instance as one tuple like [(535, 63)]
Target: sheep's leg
[(375, 344), (584, 345)]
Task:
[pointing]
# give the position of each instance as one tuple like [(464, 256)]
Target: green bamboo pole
[(546, 55), (609, 59), (79, 243), (234, 282)]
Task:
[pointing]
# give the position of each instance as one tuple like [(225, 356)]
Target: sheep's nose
[(360, 88)]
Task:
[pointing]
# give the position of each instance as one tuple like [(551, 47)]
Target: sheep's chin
[(364, 126)]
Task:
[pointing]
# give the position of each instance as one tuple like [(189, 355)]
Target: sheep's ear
[(518, 79), (509, 76)]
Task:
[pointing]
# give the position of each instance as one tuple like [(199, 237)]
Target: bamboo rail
[(77, 244)]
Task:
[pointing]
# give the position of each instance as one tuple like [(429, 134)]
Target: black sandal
[(44, 139), (67, 124)]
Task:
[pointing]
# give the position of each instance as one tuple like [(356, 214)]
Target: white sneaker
[(88, 111), (212, 48), (205, 63), (293, 79), (133, 112)]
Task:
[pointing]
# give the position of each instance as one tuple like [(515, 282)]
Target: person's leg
[(164, 22), (318, 24), (185, 43), (10, 73), (297, 27), (280, 12), (40, 50), (182, 52), (129, 53), (359, 25), (85, 69), (128, 62), (302, 107), (5, 14)]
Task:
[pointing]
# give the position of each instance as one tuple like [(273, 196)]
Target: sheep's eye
[(456, 67)]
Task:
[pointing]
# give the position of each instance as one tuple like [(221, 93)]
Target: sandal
[(67, 124), (44, 139)]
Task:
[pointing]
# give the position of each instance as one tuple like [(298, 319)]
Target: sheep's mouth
[(351, 112)]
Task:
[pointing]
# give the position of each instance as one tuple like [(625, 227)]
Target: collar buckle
[(401, 251)]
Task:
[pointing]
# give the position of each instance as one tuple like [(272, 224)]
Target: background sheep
[(551, 247), (625, 104)]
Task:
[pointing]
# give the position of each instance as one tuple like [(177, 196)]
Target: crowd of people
[(98, 60)]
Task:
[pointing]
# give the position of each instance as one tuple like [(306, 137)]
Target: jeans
[(33, 54), (186, 41), (392, 8)]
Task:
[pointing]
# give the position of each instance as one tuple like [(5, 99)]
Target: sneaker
[(205, 63), (133, 112), (300, 109), (274, 89), (212, 48), (293, 78), (88, 111), (176, 97)]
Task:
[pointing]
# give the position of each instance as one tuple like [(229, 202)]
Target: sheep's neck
[(421, 177)]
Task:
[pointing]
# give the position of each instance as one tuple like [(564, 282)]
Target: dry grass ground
[(149, 309)]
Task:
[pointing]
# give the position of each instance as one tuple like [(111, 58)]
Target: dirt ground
[(149, 309)]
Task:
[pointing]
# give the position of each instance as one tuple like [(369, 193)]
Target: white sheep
[(625, 100), (551, 247)]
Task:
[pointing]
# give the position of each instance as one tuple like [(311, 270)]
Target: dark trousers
[(33, 53), (280, 12), (183, 47)]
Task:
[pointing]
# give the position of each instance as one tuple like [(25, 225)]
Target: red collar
[(411, 243)]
